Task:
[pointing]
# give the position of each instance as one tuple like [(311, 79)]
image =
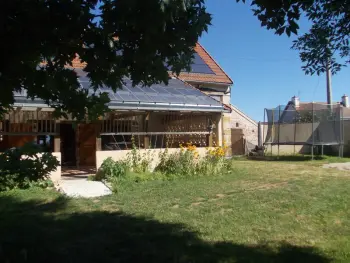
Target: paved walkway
[(339, 166), (83, 188)]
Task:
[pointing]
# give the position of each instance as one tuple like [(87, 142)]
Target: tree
[(115, 38), (327, 42)]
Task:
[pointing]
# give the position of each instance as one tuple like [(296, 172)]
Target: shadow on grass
[(35, 232)]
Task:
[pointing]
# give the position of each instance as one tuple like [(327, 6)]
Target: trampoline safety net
[(309, 124)]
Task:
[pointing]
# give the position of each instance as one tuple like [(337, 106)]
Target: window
[(237, 124)]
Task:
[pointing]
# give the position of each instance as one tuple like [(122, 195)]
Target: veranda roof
[(176, 96)]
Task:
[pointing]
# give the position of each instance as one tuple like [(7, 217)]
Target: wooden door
[(87, 144)]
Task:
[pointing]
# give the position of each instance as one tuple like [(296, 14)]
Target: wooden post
[(57, 139), (98, 143), (145, 128), (210, 140), (146, 143), (219, 130)]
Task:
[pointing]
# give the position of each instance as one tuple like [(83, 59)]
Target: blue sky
[(265, 71)]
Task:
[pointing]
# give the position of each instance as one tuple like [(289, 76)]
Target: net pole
[(343, 130), (313, 133), (340, 131), (295, 129), (279, 130), (272, 130), (263, 136)]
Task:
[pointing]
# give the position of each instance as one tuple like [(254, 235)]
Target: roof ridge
[(215, 62)]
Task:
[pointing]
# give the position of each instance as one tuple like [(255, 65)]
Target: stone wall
[(239, 120)]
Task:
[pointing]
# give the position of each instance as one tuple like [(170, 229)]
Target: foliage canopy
[(138, 39)]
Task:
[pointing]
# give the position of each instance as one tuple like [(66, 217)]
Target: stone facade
[(239, 120), (231, 121)]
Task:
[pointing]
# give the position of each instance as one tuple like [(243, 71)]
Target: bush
[(139, 163), (112, 170), (25, 167), (183, 163), (188, 163), (214, 162)]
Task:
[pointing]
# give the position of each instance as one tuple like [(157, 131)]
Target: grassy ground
[(263, 212)]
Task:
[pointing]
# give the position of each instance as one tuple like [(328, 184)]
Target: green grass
[(261, 212), (299, 158)]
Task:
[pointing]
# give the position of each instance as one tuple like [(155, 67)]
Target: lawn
[(262, 212)]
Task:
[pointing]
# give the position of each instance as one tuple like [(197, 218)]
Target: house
[(194, 107)]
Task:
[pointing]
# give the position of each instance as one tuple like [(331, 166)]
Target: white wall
[(56, 175)]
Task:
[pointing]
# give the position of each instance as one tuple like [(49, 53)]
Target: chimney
[(345, 101), (296, 101)]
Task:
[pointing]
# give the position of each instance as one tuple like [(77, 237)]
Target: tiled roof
[(219, 75), (76, 63), (314, 106)]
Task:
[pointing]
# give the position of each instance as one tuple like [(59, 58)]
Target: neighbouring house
[(303, 127), (194, 108)]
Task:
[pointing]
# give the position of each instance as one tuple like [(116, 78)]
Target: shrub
[(188, 163), (139, 163), (214, 161), (25, 167), (183, 163), (112, 170)]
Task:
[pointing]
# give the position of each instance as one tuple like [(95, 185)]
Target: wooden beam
[(27, 133), (98, 144)]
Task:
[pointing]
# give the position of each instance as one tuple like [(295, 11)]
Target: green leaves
[(22, 167), (149, 33), (328, 37)]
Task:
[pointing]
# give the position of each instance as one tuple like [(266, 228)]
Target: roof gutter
[(138, 106)]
